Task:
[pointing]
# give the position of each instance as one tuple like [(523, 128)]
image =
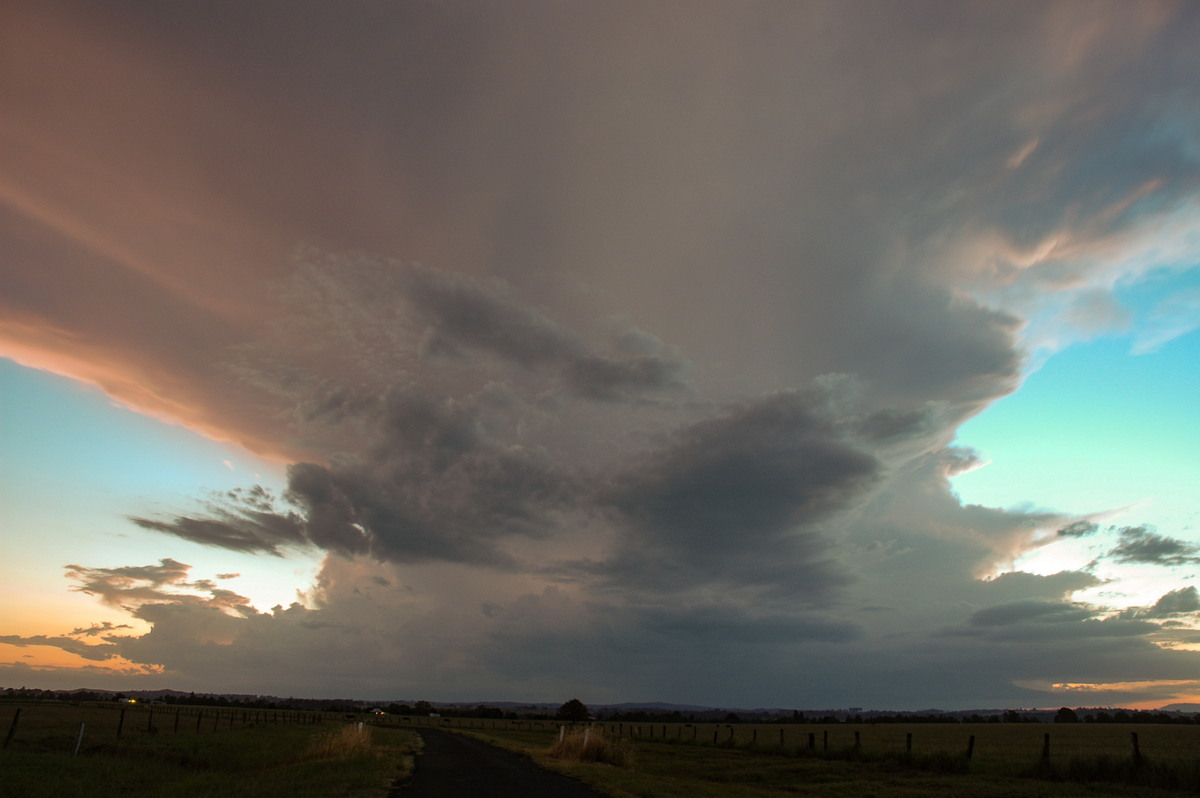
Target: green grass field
[(206, 753), (197, 752), (747, 760)]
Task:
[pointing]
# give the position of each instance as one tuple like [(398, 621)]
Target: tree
[(574, 710), (1066, 715)]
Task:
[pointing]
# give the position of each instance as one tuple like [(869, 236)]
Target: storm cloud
[(601, 343), (1140, 545)]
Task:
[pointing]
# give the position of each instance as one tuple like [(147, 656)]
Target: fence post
[(177, 721), (908, 742), (781, 737), (120, 724), (971, 746), (812, 741), (825, 740), (199, 717), (150, 720), (857, 741), (12, 728), (1046, 746), (78, 740), (1137, 752)]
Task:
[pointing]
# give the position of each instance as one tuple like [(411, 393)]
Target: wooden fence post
[(199, 717), (812, 741), (12, 728), (857, 741), (150, 720), (78, 740), (1137, 752), (908, 743), (825, 739), (970, 746), (1046, 746), (177, 721), (781, 737), (120, 724)]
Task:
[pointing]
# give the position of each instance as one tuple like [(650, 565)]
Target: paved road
[(456, 766)]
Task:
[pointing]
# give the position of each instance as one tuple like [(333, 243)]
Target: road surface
[(457, 766)]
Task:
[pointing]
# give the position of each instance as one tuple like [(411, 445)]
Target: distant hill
[(651, 708)]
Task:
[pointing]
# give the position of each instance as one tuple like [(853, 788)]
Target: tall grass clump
[(591, 745), (345, 743), (1179, 776)]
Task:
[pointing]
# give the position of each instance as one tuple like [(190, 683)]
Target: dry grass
[(591, 745), (345, 743)]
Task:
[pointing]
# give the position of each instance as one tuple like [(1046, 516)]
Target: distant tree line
[(575, 710)]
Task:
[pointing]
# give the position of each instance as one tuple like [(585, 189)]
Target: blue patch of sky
[(62, 438), (1104, 423), (74, 464)]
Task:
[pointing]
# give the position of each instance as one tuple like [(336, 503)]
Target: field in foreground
[(195, 754), (1007, 761)]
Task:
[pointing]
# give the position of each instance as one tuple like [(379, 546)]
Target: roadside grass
[(322, 760), (665, 768), (347, 742), (586, 745)]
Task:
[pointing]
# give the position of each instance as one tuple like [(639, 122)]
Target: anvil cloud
[(607, 349)]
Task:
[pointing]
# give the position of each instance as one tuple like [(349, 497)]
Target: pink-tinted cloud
[(598, 337)]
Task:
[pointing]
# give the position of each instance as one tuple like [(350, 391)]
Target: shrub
[(591, 745), (345, 743)]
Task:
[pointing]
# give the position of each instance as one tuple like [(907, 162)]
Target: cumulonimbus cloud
[(823, 260)]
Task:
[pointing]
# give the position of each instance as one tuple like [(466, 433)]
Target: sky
[(738, 354)]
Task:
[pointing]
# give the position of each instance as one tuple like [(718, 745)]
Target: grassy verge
[(328, 760), (664, 769)]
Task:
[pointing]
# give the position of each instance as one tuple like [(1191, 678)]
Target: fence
[(76, 727), (984, 744)]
